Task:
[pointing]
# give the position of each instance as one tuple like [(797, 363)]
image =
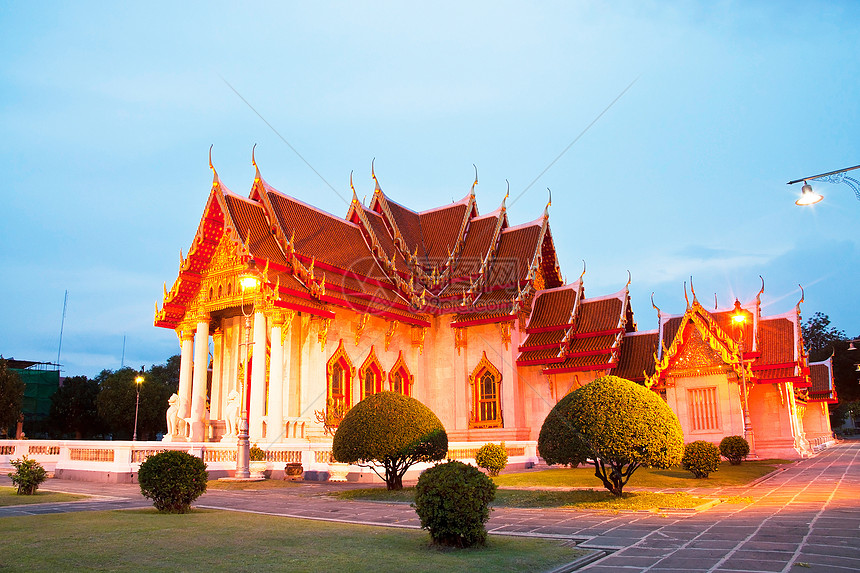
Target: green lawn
[(251, 485), (8, 496), (208, 540), (576, 499), (727, 475)]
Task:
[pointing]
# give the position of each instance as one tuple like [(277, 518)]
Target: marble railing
[(80, 459)]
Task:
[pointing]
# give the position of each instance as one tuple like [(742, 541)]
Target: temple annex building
[(464, 311)]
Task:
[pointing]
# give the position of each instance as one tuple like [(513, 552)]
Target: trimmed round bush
[(615, 425), (28, 475), (172, 480), (392, 430), (701, 458), (734, 449), (492, 458), (452, 500)]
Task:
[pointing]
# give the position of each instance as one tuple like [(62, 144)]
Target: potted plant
[(258, 462)]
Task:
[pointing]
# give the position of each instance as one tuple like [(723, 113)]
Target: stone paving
[(805, 518)]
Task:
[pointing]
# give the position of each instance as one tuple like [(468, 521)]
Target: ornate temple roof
[(821, 375), (383, 258)]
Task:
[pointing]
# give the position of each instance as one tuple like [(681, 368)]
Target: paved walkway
[(806, 518)]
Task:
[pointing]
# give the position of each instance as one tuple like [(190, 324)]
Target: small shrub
[(391, 430), (452, 500), (28, 475), (701, 458), (172, 480), (257, 453), (492, 458), (734, 449)]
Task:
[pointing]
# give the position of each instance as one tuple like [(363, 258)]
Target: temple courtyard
[(803, 517)]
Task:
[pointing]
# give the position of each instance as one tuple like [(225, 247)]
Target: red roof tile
[(775, 342), (440, 229), (553, 337), (517, 248), (591, 345), (581, 363), (599, 315), (249, 217), (552, 308), (636, 360), (544, 356)]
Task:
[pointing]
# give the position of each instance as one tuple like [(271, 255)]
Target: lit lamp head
[(739, 316), (249, 279), (808, 196), (139, 379)]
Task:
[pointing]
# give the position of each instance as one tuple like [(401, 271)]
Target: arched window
[(399, 378), (370, 375), (485, 381), (339, 372)]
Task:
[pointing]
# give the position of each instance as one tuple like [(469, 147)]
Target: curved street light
[(810, 197), (138, 380), (249, 281)]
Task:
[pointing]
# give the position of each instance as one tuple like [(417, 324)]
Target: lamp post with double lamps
[(739, 318), (138, 380), (249, 281)]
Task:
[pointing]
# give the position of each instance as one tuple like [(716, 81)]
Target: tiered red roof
[(383, 259), (822, 389), (568, 333)]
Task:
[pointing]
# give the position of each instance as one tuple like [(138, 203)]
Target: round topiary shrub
[(492, 458), (452, 500), (393, 430), (701, 458), (734, 449), (172, 480), (28, 475), (615, 425)]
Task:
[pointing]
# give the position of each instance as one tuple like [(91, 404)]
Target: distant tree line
[(96, 408)]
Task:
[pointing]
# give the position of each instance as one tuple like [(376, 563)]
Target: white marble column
[(509, 385), (258, 379), (198, 388), (275, 409), (185, 368)]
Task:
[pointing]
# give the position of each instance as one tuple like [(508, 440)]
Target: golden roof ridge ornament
[(692, 290), (472, 191), (548, 205), (216, 182), (377, 188), (351, 186), (629, 280), (716, 305), (257, 177), (583, 270), (802, 296), (685, 295), (761, 292), (655, 307)]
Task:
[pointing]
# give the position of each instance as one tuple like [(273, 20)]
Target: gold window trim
[(371, 361), (484, 365), (409, 379)]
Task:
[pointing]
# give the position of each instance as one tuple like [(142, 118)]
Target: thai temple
[(464, 311)]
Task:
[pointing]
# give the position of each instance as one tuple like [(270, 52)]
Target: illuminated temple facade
[(461, 310)]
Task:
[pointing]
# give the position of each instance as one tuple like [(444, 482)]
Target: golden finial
[(761, 292), (692, 290), (257, 176), (354, 196), (716, 306), (629, 279), (802, 296), (215, 182), (373, 174), (583, 270), (685, 294), (472, 192), (655, 306)]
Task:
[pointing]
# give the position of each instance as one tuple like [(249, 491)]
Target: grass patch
[(8, 496), (744, 499), (144, 540), (727, 475), (575, 499), (265, 484)]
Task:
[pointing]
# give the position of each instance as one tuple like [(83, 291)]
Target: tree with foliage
[(393, 430), (118, 393), (822, 341), (172, 480), (74, 411), (11, 398), (617, 426), (819, 336)]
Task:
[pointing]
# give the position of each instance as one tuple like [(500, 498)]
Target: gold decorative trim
[(400, 364), (371, 360), (322, 332), (359, 326), (418, 334), (505, 328), (389, 334), (459, 339), (474, 378)]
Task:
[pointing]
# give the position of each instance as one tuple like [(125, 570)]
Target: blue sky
[(107, 112)]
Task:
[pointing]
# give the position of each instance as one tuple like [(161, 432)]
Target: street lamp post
[(739, 318), (248, 281), (810, 197), (138, 380)]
